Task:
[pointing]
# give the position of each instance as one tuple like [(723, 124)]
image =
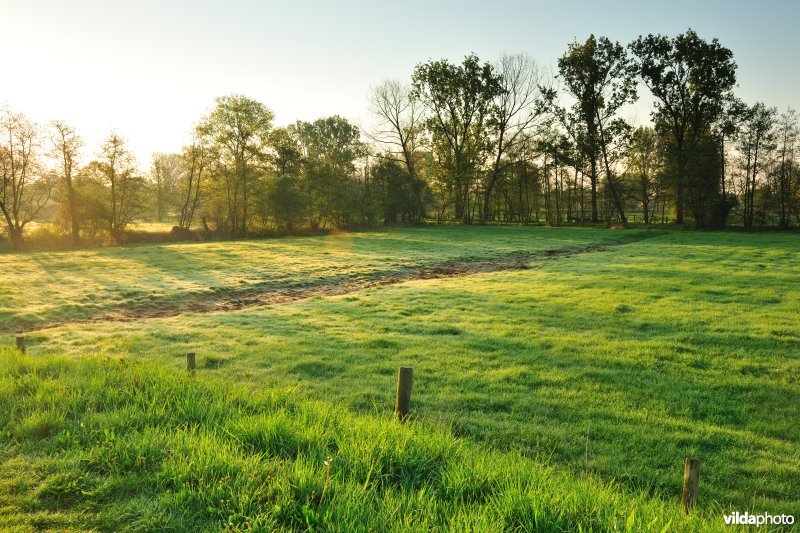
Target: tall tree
[(600, 76), (691, 80), (556, 151), (459, 99), (516, 109), (331, 146), (24, 190), (756, 140), (643, 168), (285, 201), (194, 162), (239, 128), (727, 129), (66, 145), (166, 172), (788, 133), (399, 118), (287, 152), (115, 168), (399, 129)]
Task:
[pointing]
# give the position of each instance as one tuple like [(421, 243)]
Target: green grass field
[(100, 444), (603, 369)]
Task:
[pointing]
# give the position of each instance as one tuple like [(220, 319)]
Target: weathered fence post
[(691, 483), (190, 361), (404, 378), (21, 344)]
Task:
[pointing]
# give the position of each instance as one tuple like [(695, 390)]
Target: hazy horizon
[(149, 71)]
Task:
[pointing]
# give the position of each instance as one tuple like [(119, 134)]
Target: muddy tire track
[(255, 296)]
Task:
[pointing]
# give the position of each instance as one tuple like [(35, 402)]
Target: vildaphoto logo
[(764, 519)]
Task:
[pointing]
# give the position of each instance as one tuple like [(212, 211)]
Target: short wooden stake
[(405, 377), (21, 344), (190, 362), (691, 483)]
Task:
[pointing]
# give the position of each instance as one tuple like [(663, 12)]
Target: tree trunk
[(593, 181), (17, 240), (614, 193), (73, 213)]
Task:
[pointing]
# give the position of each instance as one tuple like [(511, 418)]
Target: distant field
[(39, 288), (151, 226), (614, 363)]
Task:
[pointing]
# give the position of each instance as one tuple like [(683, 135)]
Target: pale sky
[(149, 69)]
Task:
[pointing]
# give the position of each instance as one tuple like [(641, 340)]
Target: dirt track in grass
[(235, 299)]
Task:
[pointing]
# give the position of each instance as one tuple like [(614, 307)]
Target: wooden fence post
[(21, 344), (691, 483), (405, 376), (190, 362)]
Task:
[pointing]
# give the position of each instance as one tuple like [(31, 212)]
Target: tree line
[(473, 142)]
